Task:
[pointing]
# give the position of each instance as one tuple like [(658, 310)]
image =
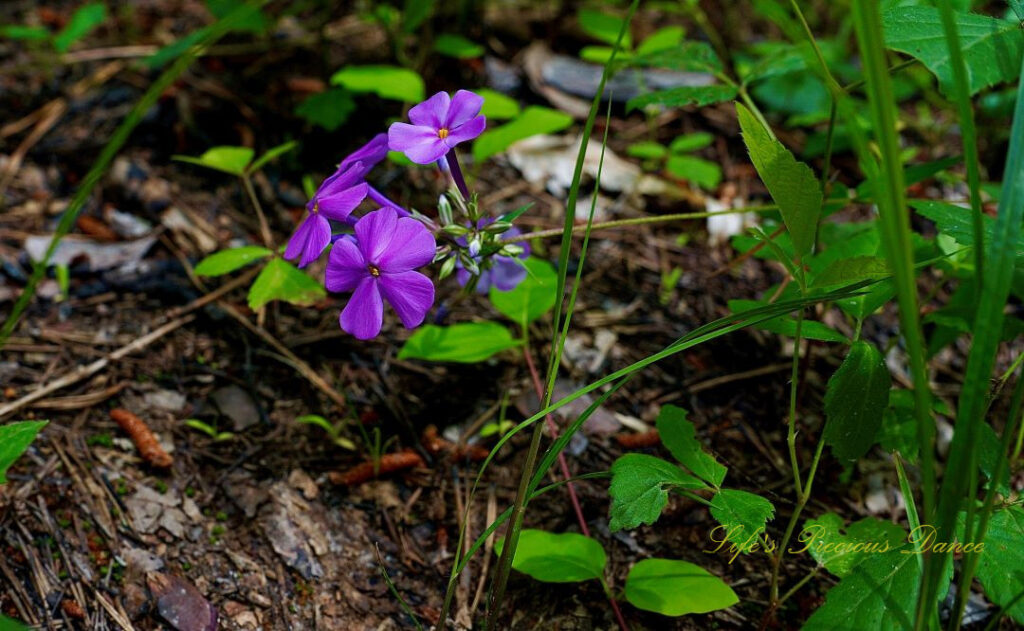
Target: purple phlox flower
[(377, 265), (438, 124), (369, 154), (336, 198), (505, 272)]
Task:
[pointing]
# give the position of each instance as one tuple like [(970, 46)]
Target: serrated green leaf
[(667, 38), (847, 271), (840, 549), (387, 82), (604, 27), (647, 150), (686, 57), (329, 109), (855, 402), (466, 343), (84, 20), (639, 489), (691, 142), (227, 261), (531, 298), (701, 172), (676, 588), (233, 160), (457, 46), (679, 436), (533, 121), (791, 183), (1001, 563), (498, 106), (14, 440), (280, 280), (699, 95), (271, 154), (557, 558), (742, 514), (991, 47)]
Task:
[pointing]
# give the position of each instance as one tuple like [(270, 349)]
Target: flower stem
[(381, 200), (456, 171), (268, 240)]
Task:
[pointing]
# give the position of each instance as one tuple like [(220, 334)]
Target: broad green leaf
[(531, 298), (899, 426), (457, 46), (24, 33), (676, 588), (786, 325), (280, 280), (272, 153), (701, 172), (791, 183), (557, 558), (1001, 563), (328, 109), (601, 54), (743, 515), (639, 489), (667, 38), (498, 106), (14, 440), (415, 12), (991, 47), (686, 57), (387, 82), (847, 271), (604, 27), (855, 402), (691, 142), (680, 438), (839, 549), (880, 593), (647, 150), (699, 95), (467, 343), (83, 20), (233, 160), (533, 121), (1018, 8), (227, 261)]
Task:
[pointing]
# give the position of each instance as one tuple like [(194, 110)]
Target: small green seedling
[(209, 430), (677, 161)]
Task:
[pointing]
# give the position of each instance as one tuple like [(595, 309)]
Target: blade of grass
[(110, 150)]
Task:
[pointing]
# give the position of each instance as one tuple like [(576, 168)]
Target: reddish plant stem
[(568, 476)]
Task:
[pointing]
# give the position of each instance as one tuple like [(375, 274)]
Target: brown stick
[(143, 437), (389, 463)]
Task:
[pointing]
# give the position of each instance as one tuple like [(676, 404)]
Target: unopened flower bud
[(498, 227), (455, 230), (474, 246), (444, 210), (447, 267), (470, 264), (512, 250)]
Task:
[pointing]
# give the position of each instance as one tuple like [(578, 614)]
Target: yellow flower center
[(316, 207), (374, 270), (442, 133)]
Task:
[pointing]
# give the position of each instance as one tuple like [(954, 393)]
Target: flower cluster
[(377, 259)]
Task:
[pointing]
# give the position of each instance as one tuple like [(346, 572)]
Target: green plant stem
[(799, 584), (268, 239), (793, 388)]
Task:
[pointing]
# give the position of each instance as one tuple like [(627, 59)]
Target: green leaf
[(387, 82), (233, 160), (1001, 563), (838, 551), (604, 27), (899, 427), (647, 150), (415, 12), (531, 298), (601, 54), (10, 624), (743, 515), (457, 46), (791, 183), (251, 19), (699, 171), (691, 142), (880, 593), (466, 343), (227, 261), (498, 106), (680, 438), (639, 489), (699, 95), (667, 38), (84, 20), (328, 109), (686, 57), (676, 588), (855, 402), (280, 280), (533, 121), (272, 153), (14, 440), (1018, 8), (557, 558), (991, 47), (24, 33), (847, 271), (176, 48)]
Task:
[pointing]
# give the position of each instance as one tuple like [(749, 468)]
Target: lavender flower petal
[(467, 131), (339, 205), (420, 144), (410, 293), (507, 273), (364, 313), (432, 112), (411, 246), (346, 267), (464, 106), (309, 240), (374, 232), (369, 154)]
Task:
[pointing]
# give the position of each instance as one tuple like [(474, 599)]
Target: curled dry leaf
[(389, 463), (144, 438)]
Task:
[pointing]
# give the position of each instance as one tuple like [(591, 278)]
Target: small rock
[(236, 404), (181, 604)]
